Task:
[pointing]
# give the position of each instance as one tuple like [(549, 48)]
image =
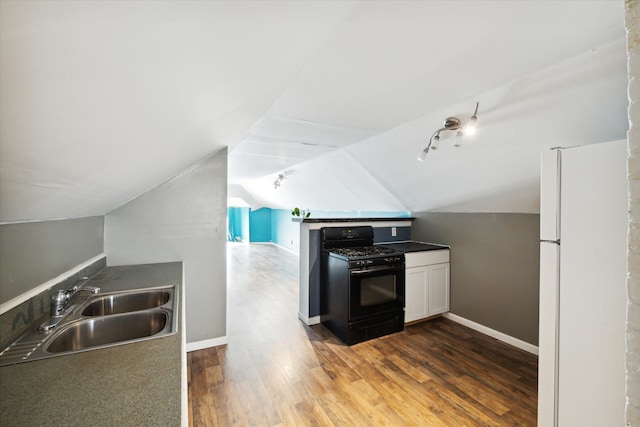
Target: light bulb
[(423, 154), (434, 143), (470, 127), (457, 142)]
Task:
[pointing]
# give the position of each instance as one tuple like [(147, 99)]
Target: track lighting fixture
[(278, 181), (461, 128)]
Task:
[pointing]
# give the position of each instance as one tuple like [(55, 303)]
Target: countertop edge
[(330, 220), (415, 246)]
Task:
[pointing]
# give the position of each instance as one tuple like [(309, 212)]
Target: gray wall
[(495, 263), (33, 253), (183, 219)]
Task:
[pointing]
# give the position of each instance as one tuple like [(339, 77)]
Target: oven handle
[(376, 270)]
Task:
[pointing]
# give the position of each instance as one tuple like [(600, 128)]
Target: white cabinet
[(426, 284), (438, 289), (416, 293)]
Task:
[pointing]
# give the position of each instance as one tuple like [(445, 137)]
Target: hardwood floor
[(277, 371)]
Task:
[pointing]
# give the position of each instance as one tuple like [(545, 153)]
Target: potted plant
[(304, 213)]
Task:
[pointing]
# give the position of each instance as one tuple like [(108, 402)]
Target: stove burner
[(360, 251)]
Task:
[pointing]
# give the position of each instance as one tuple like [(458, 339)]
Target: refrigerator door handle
[(557, 242)]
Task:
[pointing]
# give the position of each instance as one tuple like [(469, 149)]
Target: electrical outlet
[(394, 232)]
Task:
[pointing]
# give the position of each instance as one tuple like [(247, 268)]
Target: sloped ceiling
[(101, 101), (578, 101)]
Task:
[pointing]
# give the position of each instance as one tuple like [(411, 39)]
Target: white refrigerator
[(583, 229)]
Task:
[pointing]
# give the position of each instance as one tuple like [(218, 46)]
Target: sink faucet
[(59, 303), (60, 299)]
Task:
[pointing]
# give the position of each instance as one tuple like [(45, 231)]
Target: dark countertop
[(414, 246), (295, 219), (132, 384)]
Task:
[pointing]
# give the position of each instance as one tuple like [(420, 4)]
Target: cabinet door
[(416, 293), (438, 297)]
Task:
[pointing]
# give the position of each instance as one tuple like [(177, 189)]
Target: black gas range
[(362, 285)]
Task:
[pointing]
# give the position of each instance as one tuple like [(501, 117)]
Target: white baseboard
[(309, 320), (47, 285), (213, 342), (277, 245), (286, 249), (522, 345)]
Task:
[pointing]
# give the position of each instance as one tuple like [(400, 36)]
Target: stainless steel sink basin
[(126, 302), (99, 321), (102, 331)]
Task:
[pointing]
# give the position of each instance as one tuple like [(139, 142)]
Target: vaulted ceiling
[(101, 101)]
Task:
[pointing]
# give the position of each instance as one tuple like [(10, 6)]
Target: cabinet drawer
[(416, 259)]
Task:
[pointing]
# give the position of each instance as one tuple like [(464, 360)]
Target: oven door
[(375, 290)]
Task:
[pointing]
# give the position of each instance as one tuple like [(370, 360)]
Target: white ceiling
[(101, 101)]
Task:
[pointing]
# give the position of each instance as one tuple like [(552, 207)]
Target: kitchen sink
[(126, 302), (104, 331), (100, 320)]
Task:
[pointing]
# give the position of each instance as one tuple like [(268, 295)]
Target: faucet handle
[(59, 296), (58, 301)]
